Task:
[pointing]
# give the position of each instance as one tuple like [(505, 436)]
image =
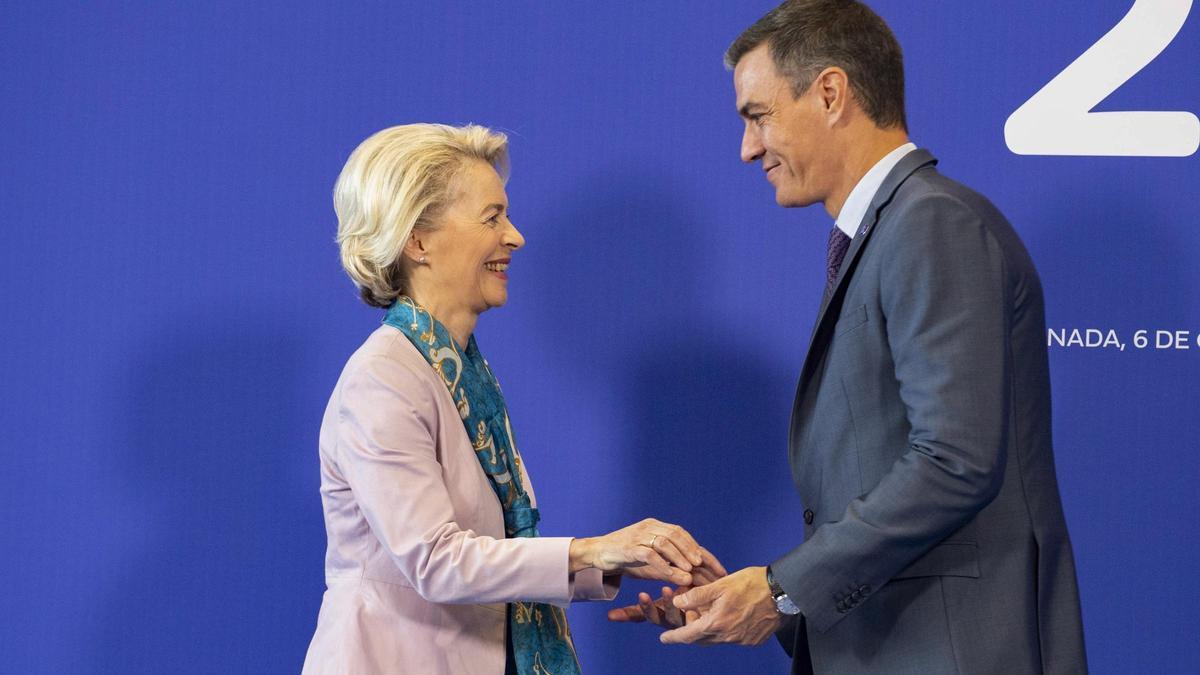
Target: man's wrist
[(783, 604)]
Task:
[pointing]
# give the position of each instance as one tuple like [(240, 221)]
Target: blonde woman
[(434, 563)]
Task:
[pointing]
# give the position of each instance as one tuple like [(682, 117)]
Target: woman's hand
[(662, 612), (709, 570), (650, 549)]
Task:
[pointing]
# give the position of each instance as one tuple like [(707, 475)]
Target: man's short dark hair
[(806, 36)]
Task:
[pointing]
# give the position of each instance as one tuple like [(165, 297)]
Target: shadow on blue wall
[(225, 577)]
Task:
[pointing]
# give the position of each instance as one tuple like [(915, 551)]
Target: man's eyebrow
[(746, 109)]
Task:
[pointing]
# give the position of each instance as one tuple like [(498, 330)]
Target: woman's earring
[(422, 260)]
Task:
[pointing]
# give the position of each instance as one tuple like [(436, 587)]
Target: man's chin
[(790, 200)]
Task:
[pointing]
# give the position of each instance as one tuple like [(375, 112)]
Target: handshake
[(707, 606)]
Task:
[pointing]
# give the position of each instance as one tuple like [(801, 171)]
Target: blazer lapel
[(831, 304)]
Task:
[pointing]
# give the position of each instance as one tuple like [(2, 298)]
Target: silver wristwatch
[(782, 602)]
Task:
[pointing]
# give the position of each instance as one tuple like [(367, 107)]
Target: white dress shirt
[(851, 215)]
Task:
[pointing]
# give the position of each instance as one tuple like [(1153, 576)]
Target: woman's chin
[(496, 300)]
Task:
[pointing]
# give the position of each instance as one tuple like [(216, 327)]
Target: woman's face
[(472, 247)]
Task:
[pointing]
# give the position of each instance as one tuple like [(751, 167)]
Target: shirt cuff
[(594, 584)]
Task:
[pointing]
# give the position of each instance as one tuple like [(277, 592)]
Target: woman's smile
[(498, 267)]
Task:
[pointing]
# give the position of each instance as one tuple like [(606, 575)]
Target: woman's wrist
[(581, 554)]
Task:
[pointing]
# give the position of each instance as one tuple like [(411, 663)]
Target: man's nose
[(752, 148)]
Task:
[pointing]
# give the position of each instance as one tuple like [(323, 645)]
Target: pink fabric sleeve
[(593, 584), (387, 420)]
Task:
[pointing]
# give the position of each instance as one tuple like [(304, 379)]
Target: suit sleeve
[(386, 450), (945, 303)]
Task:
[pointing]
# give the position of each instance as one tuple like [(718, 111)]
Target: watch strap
[(783, 603)]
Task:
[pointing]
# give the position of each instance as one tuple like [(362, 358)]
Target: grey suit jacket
[(920, 445)]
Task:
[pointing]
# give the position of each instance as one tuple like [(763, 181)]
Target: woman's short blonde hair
[(395, 182)]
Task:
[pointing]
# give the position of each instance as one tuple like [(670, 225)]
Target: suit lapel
[(832, 302)]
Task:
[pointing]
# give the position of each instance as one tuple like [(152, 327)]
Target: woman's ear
[(414, 249)]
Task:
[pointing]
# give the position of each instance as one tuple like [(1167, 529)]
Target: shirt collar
[(860, 197)]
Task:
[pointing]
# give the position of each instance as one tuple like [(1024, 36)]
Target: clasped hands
[(708, 605)]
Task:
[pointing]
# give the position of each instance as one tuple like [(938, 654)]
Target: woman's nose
[(513, 237)]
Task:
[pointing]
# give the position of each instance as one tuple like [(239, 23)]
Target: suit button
[(808, 516)]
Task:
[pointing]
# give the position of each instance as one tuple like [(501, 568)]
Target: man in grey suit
[(920, 440)]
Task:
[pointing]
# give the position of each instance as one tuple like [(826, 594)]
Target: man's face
[(789, 134)]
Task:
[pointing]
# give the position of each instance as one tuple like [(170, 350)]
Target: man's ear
[(833, 92)]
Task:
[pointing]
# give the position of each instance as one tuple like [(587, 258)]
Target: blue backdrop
[(174, 315)]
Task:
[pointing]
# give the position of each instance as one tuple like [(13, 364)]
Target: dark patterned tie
[(839, 243)]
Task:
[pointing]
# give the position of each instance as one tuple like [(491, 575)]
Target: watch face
[(785, 606), (783, 603)]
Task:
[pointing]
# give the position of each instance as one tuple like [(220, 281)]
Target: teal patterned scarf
[(541, 639)]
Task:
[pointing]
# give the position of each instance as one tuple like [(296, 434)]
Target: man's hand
[(737, 609)]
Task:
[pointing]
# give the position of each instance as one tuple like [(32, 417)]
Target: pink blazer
[(418, 570)]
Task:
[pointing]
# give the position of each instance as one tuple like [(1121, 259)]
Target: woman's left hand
[(660, 612)]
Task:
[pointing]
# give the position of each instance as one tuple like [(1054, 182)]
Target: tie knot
[(839, 243)]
